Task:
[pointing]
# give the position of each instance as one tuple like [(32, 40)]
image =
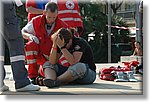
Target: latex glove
[(33, 38)]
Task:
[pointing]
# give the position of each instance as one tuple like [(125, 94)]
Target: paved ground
[(98, 87)]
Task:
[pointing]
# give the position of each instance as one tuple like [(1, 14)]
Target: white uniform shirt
[(29, 28)]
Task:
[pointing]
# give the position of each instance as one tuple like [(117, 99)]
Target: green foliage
[(95, 22), (22, 15)]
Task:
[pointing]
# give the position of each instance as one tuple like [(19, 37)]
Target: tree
[(22, 15), (116, 5), (95, 23)]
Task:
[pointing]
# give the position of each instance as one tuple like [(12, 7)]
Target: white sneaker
[(29, 87), (11, 77), (4, 88)]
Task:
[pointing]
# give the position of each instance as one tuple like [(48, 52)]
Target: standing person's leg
[(3, 87), (17, 62), (20, 75), (12, 34), (2, 71), (16, 50)]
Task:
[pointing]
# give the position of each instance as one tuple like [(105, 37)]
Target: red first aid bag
[(106, 73)]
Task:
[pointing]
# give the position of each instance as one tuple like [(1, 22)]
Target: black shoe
[(51, 83), (38, 81)]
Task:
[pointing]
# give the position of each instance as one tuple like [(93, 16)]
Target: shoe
[(51, 83), (38, 81), (4, 88), (29, 87), (121, 77), (131, 76), (11, 77)]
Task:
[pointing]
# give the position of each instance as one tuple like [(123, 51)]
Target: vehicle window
[(125, 47)]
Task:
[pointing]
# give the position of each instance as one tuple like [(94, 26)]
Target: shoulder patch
[(77, 47)]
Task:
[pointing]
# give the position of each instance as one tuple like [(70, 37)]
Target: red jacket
[(32, 4), (69, 12), (45, 40)]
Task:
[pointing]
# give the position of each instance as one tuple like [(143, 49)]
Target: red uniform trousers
[(34, 58)]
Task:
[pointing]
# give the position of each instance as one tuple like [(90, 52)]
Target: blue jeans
[(88, 77)]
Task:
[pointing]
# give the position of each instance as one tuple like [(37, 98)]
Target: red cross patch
[(70, 4)]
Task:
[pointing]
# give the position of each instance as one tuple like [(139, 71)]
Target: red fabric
[(45, 40), (31, 3), (132, 63), (62, 6), (105, 73), (33, 68), (63, 61), (45, 43), (41, 72)]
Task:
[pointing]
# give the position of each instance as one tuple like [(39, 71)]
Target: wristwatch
[(63, 47)]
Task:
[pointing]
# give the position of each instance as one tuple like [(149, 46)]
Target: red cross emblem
[(70, 4)]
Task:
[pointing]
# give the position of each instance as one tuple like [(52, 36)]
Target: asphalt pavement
[(99, 87)]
